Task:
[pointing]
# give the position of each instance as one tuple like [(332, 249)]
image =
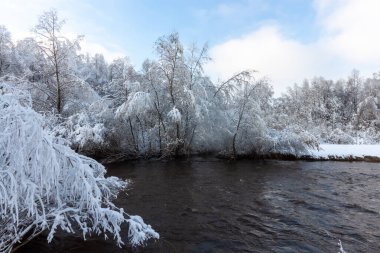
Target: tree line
[(341, 112), (170, 107)]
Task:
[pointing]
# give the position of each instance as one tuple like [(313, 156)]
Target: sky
[(286, 41)]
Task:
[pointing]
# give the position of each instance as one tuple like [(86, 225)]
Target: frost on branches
[(174, 115), (45, 185)]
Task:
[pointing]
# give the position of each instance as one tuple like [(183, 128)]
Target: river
[(208, 205)]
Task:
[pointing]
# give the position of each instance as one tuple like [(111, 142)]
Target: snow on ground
[(345, 151)]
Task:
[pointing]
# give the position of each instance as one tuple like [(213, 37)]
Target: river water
[(209, 205)]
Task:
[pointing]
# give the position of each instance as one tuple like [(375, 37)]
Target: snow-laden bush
[(337, 136), (138, 103), (174, 115), (45, 185), (292, 141), (83, 132), (86, 131)]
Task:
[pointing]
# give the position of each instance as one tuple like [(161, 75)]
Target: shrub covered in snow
[(337, 136), (45, 185), (174, 115), (292, 141), (84, 133)]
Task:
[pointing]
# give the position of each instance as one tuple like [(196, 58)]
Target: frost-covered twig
[(341, 250)]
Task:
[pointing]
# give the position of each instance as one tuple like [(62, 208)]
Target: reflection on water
[(246, 206)]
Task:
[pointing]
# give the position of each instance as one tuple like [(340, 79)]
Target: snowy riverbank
[(346, 152)]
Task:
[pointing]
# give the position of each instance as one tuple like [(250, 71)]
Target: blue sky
[(285, 40), (135, 25)]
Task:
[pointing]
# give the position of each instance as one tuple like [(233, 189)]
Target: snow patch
[(174, 115), (327, 151)]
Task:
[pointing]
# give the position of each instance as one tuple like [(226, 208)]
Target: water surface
[(207, 205)]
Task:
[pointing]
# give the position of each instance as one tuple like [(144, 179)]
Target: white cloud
[(19, 17), (349, 40), (93, 48), (353, 30), (266, 51)]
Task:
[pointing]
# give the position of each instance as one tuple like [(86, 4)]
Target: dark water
[(246, 206)]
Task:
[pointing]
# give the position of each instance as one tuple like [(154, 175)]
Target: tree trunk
[(234, 146), (177, 136), (133, 136)]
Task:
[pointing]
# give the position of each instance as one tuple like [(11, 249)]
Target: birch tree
[(6, 48), (60, 54)]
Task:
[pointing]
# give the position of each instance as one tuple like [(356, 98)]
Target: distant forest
[(170, 107)]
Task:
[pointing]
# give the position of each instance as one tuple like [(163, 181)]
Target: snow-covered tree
[(6, 51), (94, 70), (33, 65), (45, 186), (121, 75), (60, 54)]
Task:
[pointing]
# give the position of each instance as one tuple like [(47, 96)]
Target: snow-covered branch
[(45, 185)]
